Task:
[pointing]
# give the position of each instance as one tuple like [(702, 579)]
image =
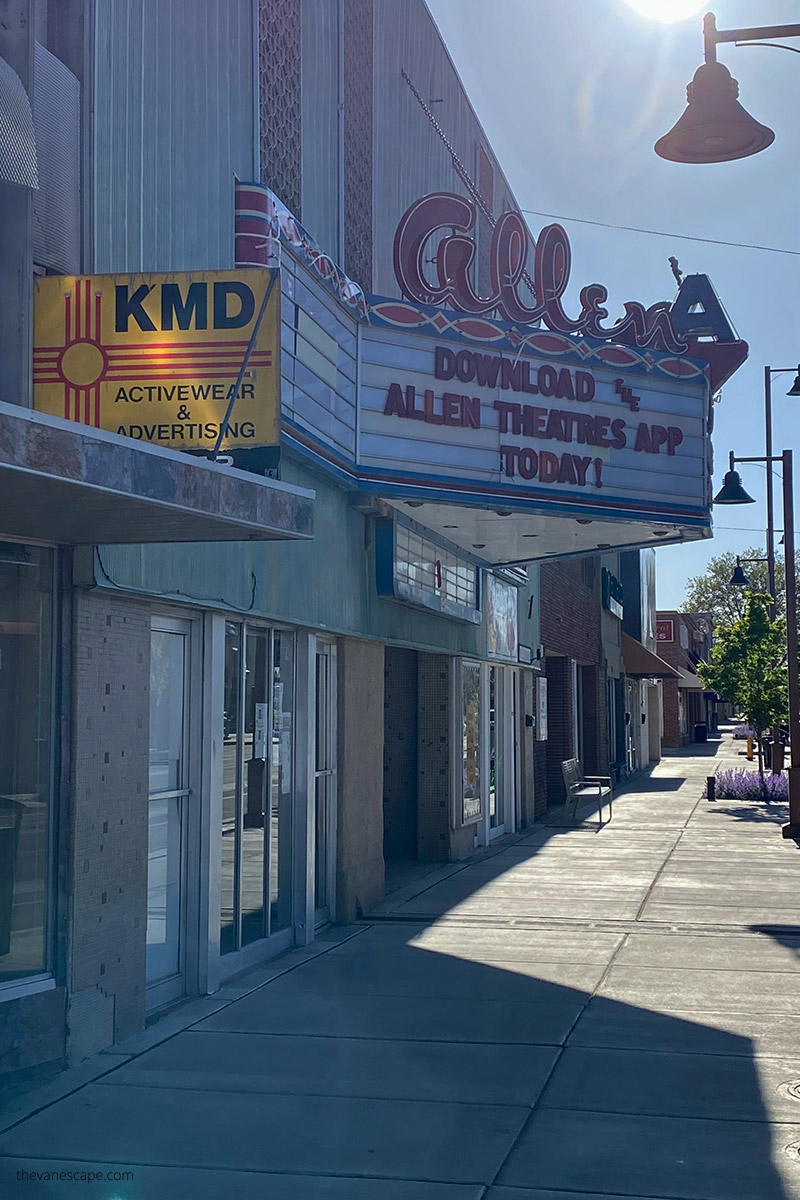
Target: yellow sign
[(156, 357)]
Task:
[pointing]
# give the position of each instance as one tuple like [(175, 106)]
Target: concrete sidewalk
[(578, 1015)]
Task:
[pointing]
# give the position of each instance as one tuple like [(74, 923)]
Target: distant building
[(684, 640)]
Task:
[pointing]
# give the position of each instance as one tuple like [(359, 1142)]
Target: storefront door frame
[(507, 740), (190, 797)]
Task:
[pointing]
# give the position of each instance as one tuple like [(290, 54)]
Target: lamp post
[(732, 492), (714, 127), (794, 390)]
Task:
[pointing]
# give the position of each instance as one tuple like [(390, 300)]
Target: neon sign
[(676, 328)]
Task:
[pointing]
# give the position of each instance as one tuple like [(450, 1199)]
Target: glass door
[(325, 784), (503, 751), (258, 743), (168, 808)]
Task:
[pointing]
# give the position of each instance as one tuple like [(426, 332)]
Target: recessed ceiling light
[(604, 545), (530, 535), (584, 521), (449, 527), (479, 545), (660, 532), (414, 503), (504, 512)]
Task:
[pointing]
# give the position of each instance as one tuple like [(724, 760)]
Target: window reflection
[(471, 734), (26, 687)]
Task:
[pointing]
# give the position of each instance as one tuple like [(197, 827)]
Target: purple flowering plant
[(736, 784)]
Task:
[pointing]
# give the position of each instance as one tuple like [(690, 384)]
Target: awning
[(70, 484), (641, 663), (690, 681)]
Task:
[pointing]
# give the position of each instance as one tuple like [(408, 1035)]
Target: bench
[(584, 787)]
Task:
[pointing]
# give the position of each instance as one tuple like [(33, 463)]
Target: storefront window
[(280, 876), (471, 740), (26, 756)]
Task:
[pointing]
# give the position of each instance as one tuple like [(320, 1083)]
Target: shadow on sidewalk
[(429, 1058), (387, 1069)]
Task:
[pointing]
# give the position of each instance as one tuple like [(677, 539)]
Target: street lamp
[(714, 127), (738, 578), (792, 830)]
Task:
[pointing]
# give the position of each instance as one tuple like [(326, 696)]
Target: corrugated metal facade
[(173, 123), (410, 159)]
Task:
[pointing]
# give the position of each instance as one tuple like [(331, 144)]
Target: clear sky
[(572, 95)]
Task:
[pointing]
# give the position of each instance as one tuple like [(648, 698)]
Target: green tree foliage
[(748, 664), (713, 592)]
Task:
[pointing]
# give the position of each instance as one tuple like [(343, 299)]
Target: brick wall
[(669, 692), (571, 627), (559, 744), (570, 612), (106, 965)]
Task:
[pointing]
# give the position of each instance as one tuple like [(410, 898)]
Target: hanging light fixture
[(714, 127), (732, 491), (794, 390), (738, 578)]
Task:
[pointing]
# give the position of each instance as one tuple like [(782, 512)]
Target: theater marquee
[(568, 430), (511, 401)]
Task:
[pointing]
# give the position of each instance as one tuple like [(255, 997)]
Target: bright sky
[(572, 96)]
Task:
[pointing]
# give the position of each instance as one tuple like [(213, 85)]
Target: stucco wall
[(359, 832), (106, 960)]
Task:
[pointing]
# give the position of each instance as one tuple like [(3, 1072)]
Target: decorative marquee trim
[(262, 222), (437, 322)]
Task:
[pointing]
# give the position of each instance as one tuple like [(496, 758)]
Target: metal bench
[(584, 787)]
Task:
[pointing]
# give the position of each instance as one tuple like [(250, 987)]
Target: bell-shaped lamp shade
[(714, 128), (732, 491), (794, 390), (738, 578)]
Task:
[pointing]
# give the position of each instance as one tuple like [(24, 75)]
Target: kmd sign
[(156, 357)]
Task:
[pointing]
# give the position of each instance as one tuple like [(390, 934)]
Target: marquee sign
[(475, 425), (678, 327), (156, 357)]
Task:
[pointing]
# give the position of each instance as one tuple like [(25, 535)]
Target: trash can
[(701, 733)]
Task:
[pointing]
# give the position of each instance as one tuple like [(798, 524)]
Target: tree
[(713, 592), (748, 666)]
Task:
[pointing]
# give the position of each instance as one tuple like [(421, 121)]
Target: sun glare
[(667, 10)]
